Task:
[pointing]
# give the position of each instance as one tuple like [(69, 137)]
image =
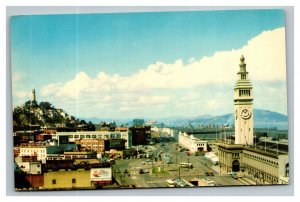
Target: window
[(54, 181), (73, 180)]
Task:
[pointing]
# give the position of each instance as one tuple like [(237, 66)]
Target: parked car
[(209, 173), (141, 171)]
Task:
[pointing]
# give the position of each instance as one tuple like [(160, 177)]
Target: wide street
[(142, 172)]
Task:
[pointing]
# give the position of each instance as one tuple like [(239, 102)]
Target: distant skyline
[(152, 65)]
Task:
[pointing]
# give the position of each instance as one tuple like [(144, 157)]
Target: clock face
[(245, 114)]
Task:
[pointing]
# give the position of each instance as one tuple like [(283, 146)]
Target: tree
[(82, 122), (46, 106), (91, 126)]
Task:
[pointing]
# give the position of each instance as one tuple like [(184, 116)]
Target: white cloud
[(50, 89), (149, 100), (157, 84), (16, 76), (211, 104), (22, 94)]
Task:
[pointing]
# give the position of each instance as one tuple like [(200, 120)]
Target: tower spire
[(242, 64)]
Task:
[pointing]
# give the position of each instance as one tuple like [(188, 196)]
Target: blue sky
[(51, 51)]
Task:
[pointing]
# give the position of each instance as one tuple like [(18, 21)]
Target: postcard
[(149, 100)]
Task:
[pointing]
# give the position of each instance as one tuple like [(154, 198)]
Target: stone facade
[(263, 167)]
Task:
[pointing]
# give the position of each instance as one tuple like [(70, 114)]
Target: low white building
[(34, 149), (165, 131), (192, 143), (126, 135)]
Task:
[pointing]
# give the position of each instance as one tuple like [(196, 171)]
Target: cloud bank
[(201, 85)]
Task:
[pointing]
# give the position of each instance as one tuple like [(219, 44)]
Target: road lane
[(153, 178)]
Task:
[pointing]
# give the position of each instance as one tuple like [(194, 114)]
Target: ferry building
[(266, 167)]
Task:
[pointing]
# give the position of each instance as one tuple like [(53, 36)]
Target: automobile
[(118, 157), (141, 171), (112, 161), (185, 165), (234, 176), (171, 183), (209, 173)]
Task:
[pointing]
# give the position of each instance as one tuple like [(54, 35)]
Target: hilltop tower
[(243, 104), (33, 99)]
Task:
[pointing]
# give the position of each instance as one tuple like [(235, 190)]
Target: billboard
[(101, 174)]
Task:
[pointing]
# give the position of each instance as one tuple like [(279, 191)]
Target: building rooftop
[(265, 153), (33, 145)]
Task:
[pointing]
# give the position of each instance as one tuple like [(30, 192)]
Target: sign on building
[(101, 174)]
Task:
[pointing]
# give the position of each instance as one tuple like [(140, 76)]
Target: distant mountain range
[(262, 119)]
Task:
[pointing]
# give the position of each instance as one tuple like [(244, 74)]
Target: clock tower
[(243, 106)]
